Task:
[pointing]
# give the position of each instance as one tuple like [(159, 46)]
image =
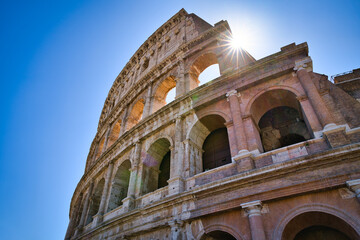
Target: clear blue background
[(60, 58)]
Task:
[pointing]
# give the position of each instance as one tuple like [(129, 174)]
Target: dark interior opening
[(216, 149), (164, 174)]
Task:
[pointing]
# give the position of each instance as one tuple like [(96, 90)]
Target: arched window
[(135, 114), (95, 201), (162, 92), (206, 61), (210, 73), (115, 132), (319, 226), (218, 235), (209, 144), (216, 149), (120, 185), (157, 165), (280, 119), (320, 233)]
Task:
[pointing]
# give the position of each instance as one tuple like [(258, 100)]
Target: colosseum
[(267, 150)]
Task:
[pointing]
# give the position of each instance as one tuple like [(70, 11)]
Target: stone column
[(310, 115), (176, 232), (135, 183), (98, 217), (147, 107), (312, 92), (180, 81), (253, 135), (243, 157), (253, 210), (107, 134), (354, 186), (124, 121), (129, 201), (232, 98), (232, 138), (134, 170), (84, 210), (176, 182)]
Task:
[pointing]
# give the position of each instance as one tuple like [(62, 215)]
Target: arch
[(224, 231), (163, 88), (202, 62), (316, 208), (95, 201), (114, 134), (203, 138), (259, 93), (196, 124), (165, 136), (135, 114), (157, 165), (280, 119), (214, 112), (119, 185)]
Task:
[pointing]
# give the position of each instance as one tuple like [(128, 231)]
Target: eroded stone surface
[(293, 137)]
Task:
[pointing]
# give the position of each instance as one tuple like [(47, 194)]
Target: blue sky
[(60, 58)]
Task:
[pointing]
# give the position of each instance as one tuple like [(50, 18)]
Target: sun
[(235, 43)]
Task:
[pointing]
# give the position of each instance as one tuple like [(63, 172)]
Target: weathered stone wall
[(263, 191)]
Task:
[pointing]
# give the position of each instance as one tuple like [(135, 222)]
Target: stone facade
[(268, 150)]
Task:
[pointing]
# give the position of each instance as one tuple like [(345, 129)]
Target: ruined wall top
[(148, 59)]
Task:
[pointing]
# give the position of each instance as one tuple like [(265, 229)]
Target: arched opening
[(210, 73), (120, 185), (319, 226), (135, 114), (320, 233), (216, 149), (204, 62), (162, 92), (95, 201), (115, 133), (157, 165), (209, 144), (100, 148), (170, 95), (280, 119), (218, 235)]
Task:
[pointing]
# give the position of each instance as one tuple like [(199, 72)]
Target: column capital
[(232, 93), (305, 63), (252, 208), (353, 185)]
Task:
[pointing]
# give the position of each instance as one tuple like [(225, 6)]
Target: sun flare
[(235, 43)]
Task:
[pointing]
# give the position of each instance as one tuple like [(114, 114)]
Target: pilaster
[(99, 216), (312, 92), (253, 211), (84, 210), (176, 231)]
